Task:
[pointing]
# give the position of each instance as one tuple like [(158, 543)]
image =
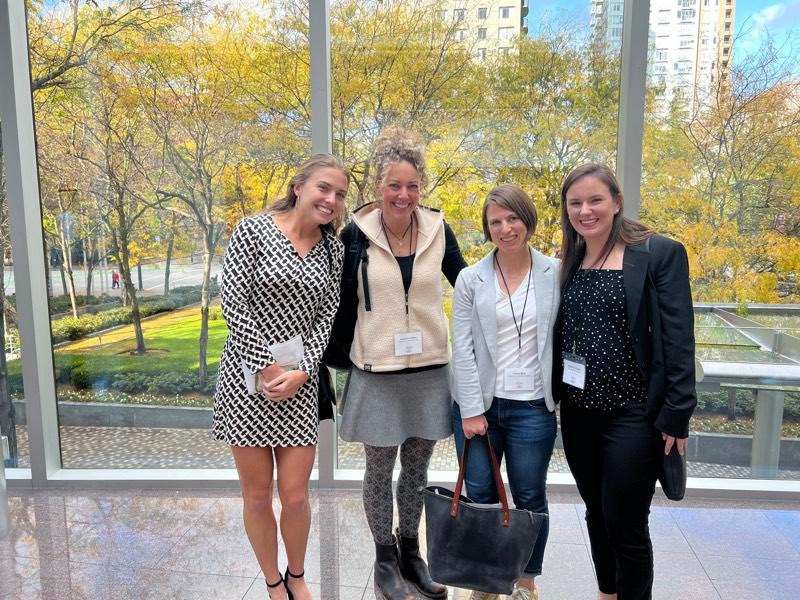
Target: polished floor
[(142, 544)]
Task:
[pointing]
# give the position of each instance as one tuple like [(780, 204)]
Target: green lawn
[(171, 340), (172, 347)]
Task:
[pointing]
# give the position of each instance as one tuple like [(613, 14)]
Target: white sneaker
[(476, 595)]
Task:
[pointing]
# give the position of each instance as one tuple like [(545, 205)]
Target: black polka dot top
[(596, 328)]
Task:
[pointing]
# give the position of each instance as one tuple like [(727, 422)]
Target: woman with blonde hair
[(280, 292), (398, 394)]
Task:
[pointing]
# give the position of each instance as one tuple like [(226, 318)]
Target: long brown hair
[(303, 174), (623, 229)]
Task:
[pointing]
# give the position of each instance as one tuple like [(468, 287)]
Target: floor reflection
[(191, 545)]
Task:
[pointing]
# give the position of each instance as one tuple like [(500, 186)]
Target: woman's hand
[(473, 426), (284, 385), (669, 441)]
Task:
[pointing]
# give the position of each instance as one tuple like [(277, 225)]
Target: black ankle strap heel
[(286, 577), (292, 575), (276, 584)]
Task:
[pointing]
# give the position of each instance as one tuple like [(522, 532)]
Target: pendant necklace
[(400, 238)]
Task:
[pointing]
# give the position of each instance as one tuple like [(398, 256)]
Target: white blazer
[(474, 329)]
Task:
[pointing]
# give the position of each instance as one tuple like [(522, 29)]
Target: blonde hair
[(395, 145), (304, 173)]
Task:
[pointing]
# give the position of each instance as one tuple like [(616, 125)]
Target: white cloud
[(775, 16)]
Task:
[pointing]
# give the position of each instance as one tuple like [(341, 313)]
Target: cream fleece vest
[(373, 341)]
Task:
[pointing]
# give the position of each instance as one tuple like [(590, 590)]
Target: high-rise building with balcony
[(690, 44)]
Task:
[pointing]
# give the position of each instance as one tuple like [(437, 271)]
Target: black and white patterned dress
[(269, 295)]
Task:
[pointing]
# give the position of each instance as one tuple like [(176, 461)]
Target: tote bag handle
[(498, 480)]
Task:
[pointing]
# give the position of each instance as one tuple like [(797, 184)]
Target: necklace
[(400, 238), (602, 264)]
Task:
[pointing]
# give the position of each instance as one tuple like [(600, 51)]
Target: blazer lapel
[(485, 303), (543, 292), (634, 271)]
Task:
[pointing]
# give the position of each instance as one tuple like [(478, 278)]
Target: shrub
[(68, 328), (173, 383), (130, 383), (211, 383), (717, 403), (80, 376)]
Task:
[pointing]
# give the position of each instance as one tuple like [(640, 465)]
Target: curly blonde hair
[(393, 145)]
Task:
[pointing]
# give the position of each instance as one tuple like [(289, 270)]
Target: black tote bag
[(482, 547)]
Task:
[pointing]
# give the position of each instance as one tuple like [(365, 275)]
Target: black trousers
[(614, 456)]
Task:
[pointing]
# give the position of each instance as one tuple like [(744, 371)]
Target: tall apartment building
[(486, 26), (690, 43)]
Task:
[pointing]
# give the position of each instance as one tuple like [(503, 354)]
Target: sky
[(780, 19)]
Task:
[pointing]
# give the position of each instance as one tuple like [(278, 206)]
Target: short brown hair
[(514, 199)]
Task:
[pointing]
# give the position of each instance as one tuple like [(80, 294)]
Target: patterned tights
[(415, 454)]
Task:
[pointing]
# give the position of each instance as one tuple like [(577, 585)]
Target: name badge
[(408, 343), (518, 379), (288, 354), (574, 370)]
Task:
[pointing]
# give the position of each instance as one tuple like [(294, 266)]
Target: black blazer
[(661, 322)]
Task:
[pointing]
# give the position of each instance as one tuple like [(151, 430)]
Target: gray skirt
[(385, 409)]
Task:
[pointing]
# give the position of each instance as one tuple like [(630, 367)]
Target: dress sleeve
[(452, 261), (235, 292), (323, 320)]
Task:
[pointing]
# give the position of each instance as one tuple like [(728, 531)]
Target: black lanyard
[(511, 303)]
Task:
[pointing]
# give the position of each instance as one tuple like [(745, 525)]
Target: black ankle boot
[(415, 570), (389, 582)]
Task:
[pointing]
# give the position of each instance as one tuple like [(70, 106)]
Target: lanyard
[(511, 303), (411, 247)]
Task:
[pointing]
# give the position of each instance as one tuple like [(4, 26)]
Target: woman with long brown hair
[(625, 376)]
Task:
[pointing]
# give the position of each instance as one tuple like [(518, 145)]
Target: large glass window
[(159, 125), (526, 116), (12, 408), (720, 174)]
